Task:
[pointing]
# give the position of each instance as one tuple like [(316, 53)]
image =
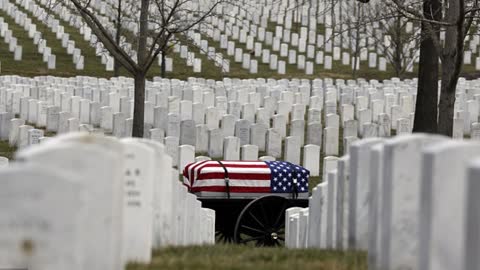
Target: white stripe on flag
[(233, 183), (257, 163), (236, 170), (196, 171)]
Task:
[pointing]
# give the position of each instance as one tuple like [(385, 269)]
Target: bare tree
[(456, 21), (155, 23), (398, 38), (426, 109), (393, 36), (118, 32), (454, 18)]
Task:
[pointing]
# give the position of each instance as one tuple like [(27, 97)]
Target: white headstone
[(359, 186), (103, 249), (249, 152), (442, 233), (40, 216), (138, 200), (231, 148), (397, 196), (311, 159)]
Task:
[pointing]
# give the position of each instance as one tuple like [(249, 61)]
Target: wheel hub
[(274, 235)]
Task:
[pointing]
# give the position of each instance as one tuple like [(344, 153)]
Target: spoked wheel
[(262, 222), (223, 237), (225, 223)]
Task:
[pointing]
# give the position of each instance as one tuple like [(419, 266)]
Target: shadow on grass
[(6, 150), (233, 257)]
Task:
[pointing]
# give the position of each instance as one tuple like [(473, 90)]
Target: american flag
[(246, 177)]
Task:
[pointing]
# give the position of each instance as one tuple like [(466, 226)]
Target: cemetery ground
[(226, 257), (6, 150), (221, 256), (9, 152), (233, 257), (32, 64)]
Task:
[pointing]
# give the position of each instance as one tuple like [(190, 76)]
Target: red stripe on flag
[(235, 176), (217, 165), (192, 170), (233, 189), (238, 165)]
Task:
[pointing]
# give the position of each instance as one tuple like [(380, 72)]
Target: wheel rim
[(223, 237), (262, 222)]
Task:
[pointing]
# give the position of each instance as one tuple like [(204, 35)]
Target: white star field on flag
[(284, 174)]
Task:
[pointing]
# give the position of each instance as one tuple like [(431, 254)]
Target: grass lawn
[(32, 64), (6, 150), (242, 257), (233, 257)]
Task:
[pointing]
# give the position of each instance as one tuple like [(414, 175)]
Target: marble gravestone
[(343, 167), (162, 196), (215, 143), (171, 148), (311, 159), (103, 248), (292, 149), (231, 148), (138, 201), (331, 230), (472, 260), (274, 143), (317, 214), (358, 193), (374, 219), (291, 236), (249, 152), (186, 155), (40, 211), (3, 162), (242, 131), (400, 200), (441, 241), (187, 132)]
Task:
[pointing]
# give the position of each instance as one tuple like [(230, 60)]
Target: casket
[(246, 178)]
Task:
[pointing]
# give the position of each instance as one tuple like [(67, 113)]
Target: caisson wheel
[(262, 222)]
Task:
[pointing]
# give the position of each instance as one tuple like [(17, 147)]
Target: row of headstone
[(285, 19), (10, 40), (44, 12), (25, 22), (308, 65), (169, 118), (263, 55), (136, 205), (251, 30), (396, 199), (247, 31), (63, 11), (4, 162), (197, 112)]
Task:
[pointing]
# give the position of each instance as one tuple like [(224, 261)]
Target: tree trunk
[(163, 66), (139, 103), (426, 112), (357, 41), (398, 42), (139, 106), (118, 34), (447, 99), (451, 65)]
